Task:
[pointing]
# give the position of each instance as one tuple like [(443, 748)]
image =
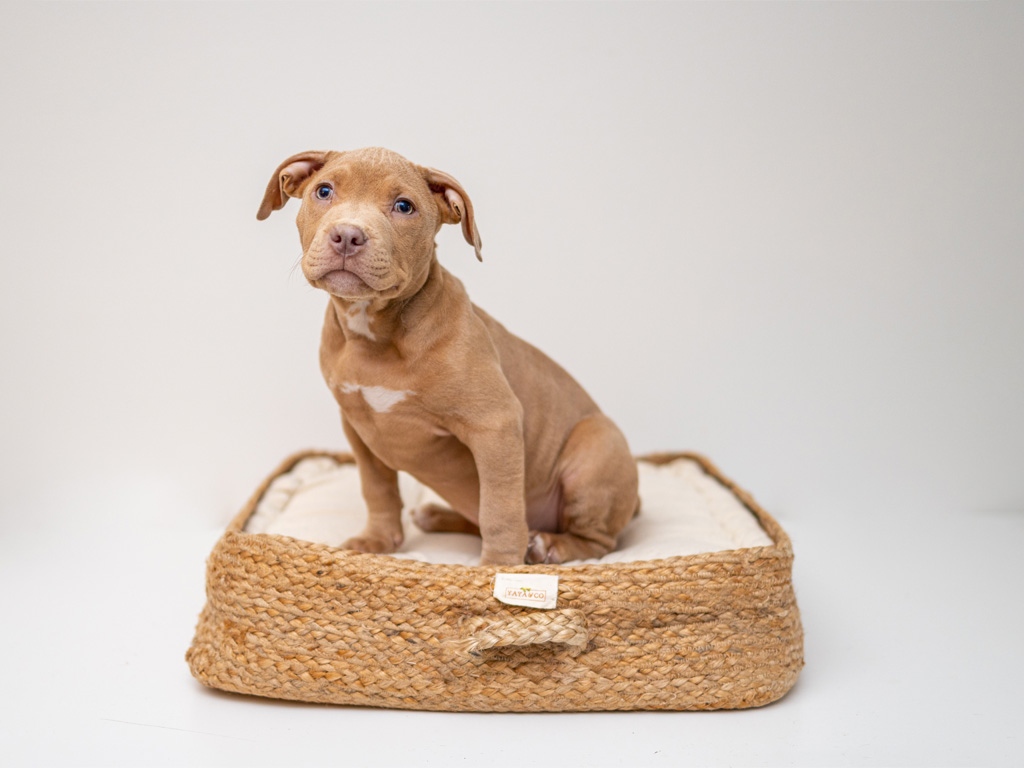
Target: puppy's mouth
[(346, 284), (342, 282)]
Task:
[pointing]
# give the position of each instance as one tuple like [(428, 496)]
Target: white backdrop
[(789, 236)]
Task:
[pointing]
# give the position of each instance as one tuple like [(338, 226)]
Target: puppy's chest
[(383, 405), (370, 400)]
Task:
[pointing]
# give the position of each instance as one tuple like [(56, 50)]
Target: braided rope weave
[(536, 628), (295, 620)]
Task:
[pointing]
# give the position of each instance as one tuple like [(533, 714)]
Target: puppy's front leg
[(383, 532), (497, 448)]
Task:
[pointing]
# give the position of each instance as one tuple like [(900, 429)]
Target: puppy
[(430, 384)]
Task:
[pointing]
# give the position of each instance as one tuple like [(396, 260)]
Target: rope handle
[(568, 627)]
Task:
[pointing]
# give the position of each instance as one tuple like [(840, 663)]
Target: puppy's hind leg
[(599, 494)]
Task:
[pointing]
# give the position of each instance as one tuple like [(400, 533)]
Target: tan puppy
[(430, 384)]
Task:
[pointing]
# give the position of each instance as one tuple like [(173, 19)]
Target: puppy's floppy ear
[(455, 205), (289, 179)]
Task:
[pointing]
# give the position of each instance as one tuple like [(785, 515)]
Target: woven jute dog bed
[(292, 619)]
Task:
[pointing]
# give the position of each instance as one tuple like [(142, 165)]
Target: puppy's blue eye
[(404, 206), (324, 192)]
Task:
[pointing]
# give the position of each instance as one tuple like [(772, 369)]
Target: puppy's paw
[(497, 558), (542, 549), (429, 517), (374, 543), (434, 518)]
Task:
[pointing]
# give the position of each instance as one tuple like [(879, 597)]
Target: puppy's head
[(368, 219)]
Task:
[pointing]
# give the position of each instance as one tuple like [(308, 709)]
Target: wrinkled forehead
[(372, 169)]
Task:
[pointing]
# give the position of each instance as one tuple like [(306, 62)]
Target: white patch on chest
[(358, 319), (381, 399)]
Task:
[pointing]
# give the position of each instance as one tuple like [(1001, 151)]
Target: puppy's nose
[(347, 240)]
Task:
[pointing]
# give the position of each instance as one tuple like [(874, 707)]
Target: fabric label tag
[(531, 590)]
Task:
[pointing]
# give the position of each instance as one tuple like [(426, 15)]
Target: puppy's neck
[(389, 322)]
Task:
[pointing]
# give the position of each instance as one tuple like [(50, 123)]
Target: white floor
[(913, 638)]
